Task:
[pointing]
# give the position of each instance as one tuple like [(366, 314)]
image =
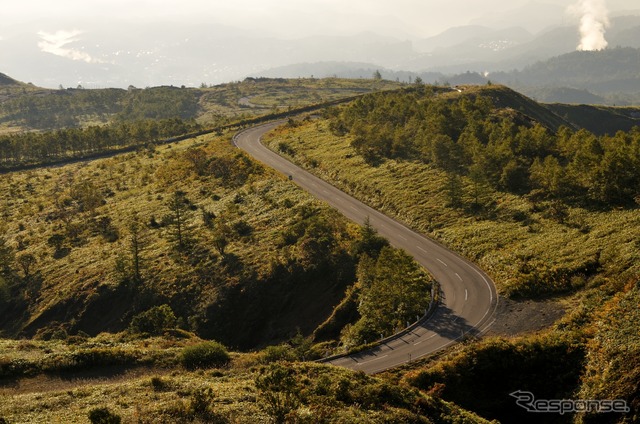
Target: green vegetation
[(481, 376), (241, 391), (80, 353), (532, 242), (154, 321), (18, 150), (159, 103), (535, 239), (24, 107), (48, 109), (114, 272), (191, 236), (391, 292), (612, 370), (589, 354), (103, 416), (204, 355), (138, 118), (469, 135)]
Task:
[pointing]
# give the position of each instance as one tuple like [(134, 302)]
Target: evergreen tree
[(178, 220), (137, 243), (370, 242)]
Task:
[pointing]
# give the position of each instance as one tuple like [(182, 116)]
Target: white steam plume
[(594, 21)]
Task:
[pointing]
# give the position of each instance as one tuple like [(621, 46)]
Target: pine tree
[(177, 219)]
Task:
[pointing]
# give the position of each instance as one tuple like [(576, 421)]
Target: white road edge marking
[(487, 283), (490, 297)]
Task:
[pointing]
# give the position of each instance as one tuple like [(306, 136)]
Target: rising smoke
[(594, 21)]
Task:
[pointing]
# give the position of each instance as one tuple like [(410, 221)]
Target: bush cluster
[(205, 355)]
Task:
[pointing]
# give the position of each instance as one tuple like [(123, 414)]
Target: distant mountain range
[(610, 76), (155, 54), (505, 47), (478, 48)]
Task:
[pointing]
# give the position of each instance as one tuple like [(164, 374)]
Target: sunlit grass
[(166, 392), (136, 185), (517, 241)]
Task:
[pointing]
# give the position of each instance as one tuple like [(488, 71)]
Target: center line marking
[(459, 277), (371, 360), (442, 262), (421, 249), (466, 294)]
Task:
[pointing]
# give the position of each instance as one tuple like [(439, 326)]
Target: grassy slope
[(507, 243), (480, 376), (596, 119), (613, 367), (215, 104), (532, 233), (80, 289), (599, 119), (516, 240), (11, 89), (505, 98), (163, 391)]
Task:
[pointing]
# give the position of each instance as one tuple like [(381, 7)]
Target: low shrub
[(205, 355), (278, 353), (103, 416), (159, 384), (154, 321)]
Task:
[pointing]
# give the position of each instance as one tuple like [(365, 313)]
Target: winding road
[(468, 296)]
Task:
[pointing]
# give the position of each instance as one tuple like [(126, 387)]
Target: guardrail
[(433, 304)]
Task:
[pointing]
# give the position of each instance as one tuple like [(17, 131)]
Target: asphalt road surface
[(468, 296)]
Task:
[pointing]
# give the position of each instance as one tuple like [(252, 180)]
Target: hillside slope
[(610, 73), (598, 119), (223, 242), (567, 246), (246, 388), (25, 107), (7, 80)]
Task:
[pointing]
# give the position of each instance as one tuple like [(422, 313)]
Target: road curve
[(468, 296)]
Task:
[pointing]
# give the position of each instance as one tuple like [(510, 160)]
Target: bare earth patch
[(518, 317)]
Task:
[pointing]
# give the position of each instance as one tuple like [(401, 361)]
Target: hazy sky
[(285, 18), (152, 42)]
